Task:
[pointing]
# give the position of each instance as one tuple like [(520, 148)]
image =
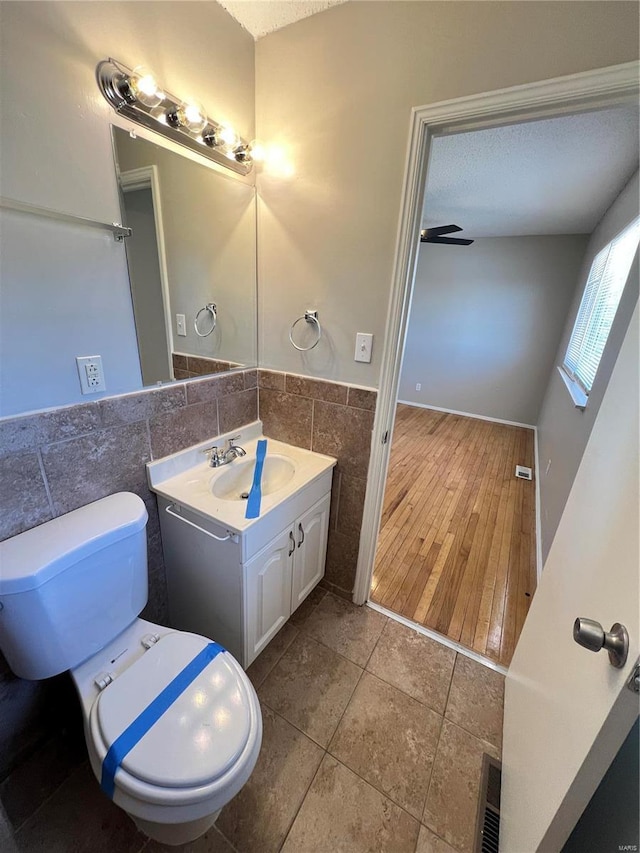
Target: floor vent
[(523, 473), (488, 829)]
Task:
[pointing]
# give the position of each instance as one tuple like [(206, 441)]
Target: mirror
[(64, 287), (191, 259)]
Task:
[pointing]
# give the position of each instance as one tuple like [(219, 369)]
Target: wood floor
[(457, 548)]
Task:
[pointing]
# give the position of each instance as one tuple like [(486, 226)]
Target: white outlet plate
[(181, 325), (364, 345), (91, 374), (418, 386)]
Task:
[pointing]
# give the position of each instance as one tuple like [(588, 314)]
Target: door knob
[(591, 635)]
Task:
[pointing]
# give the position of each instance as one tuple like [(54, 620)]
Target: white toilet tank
[(71, 585)]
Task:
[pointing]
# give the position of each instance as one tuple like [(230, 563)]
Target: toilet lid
[(200, 735)]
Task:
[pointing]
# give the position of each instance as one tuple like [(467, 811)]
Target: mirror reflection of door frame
[(146, 178)]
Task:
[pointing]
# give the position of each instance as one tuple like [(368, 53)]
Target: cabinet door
[(268, 592), (311, 550)]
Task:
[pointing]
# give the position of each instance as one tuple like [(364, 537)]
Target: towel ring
[(212, 309), (310, 317)]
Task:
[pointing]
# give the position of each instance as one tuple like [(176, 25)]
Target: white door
[(268, 592), (567, 710), (311, 550)]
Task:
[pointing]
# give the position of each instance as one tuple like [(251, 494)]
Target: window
[(605, 284)]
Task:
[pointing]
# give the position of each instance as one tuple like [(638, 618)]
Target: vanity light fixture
[(136, 94)]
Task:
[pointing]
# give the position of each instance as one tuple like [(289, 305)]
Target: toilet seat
[(198, 744)]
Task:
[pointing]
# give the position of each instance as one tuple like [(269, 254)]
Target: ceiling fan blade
[(439, 230), (453, 241)]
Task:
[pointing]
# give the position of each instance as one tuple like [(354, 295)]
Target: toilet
[(172, 723)]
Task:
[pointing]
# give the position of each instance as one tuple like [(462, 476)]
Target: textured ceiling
[(556, 176), (260, 17)]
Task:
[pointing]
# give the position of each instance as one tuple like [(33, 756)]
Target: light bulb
[(145, 88), (228, 136), (257, 151), (191, 115)]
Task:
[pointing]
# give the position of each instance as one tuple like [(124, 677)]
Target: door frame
[(147, 178), (589, 90)]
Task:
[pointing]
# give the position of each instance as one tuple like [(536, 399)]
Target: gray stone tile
[(106, 461), (430, 843), (269, 657), (343, 812), (180, 375), (27, 432), (350, 630), (351, 505), (390, 740), (129, 408), (38, 777), (236, 410), (250, 379), (23, 497), (476, 700), (332, 392), (286, 417), (206, 390), (361, 398), (204, 366), (180, 362), (310, 686), (78, 818), (258, 818), (176, 430), (342, 560), (345, 433), (415, 664), (302, 613), (452, 801), (212, 842), (271, 379)]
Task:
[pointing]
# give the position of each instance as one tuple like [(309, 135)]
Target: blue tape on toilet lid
[(199, 734)]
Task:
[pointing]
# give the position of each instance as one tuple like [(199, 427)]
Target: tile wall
[(335, 419), (56, 461), (190, 366)]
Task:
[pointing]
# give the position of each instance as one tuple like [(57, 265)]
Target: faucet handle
[(231, 440), (210, 451)]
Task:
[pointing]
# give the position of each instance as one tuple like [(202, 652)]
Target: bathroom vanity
[(236, 579)]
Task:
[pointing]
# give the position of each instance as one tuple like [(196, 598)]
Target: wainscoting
[(457, 544), (335, 419)]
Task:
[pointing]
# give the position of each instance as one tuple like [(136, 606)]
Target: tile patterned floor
[(373, 741)]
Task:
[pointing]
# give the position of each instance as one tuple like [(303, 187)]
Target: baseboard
[(466, 414)]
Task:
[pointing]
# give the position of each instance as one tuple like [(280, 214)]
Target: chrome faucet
[(218, 457)]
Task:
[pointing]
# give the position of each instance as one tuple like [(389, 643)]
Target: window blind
[(605, 283)]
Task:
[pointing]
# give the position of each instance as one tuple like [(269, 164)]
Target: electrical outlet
[(181, 325), (418, 386), (90, 373)]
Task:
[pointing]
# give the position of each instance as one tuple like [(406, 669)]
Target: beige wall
[(337, 90), (485, 323), (563, 430)]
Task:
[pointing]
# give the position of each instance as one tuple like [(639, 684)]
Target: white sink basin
[(234, 483)]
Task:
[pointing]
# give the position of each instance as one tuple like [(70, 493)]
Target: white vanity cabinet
[(242, 590), (279, 578)]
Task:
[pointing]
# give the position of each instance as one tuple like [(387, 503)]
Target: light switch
[(364, 345), (181, 325)]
